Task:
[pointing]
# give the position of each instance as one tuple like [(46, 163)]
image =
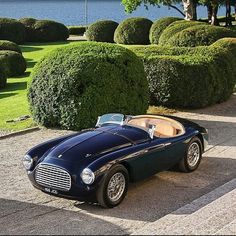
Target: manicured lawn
[(13, 99)]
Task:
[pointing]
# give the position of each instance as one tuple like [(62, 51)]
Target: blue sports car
[(96, 165)]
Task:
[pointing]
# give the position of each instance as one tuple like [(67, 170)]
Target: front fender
[(39, 150)]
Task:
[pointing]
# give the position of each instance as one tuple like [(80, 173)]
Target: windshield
[(114, 118)]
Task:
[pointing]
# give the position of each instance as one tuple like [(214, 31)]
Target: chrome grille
[(53, 177)]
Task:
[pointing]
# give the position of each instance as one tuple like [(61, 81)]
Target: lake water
[(72, 12)]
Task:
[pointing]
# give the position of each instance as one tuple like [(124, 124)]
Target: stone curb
[(21, 132)]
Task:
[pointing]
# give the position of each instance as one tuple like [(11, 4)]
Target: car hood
[(88, 146)]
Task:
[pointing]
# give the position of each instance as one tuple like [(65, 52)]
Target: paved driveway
[(25, 210)]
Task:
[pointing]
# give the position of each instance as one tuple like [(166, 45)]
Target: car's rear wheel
[(113, 187), (192, 157)]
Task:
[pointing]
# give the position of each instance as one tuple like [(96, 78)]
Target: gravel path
[(25, 210)]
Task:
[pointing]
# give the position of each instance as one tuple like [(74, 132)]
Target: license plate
[(49, 190)]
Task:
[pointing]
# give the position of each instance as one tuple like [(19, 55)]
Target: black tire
[(184, 164), (102, 192)]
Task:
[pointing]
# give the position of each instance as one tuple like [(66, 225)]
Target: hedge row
[(32, 30), (77, 30), (199, 35), (84, 81), (3, 78), (190, 77), (12, 30), (44, 30)]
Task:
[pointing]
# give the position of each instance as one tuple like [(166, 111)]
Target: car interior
[(164, 127)]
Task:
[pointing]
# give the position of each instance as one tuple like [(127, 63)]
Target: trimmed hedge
[(13, 63), (175, 28), (102, 31), (75, 84), (200, 35), (190, 77), (3, 78), (133, 31), (10, 46), (77, 30), (159, 26), (12, 30), (44, 30)]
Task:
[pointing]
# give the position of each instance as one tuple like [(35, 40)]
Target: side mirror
[(151, 130), (98, 120)]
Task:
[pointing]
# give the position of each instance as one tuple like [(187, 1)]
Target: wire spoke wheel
[(193, 154), (116, 187)]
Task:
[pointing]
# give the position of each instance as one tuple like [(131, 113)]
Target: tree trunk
[(228, 20), (188, 9), (214, 20), (194, 9), (209, 12)]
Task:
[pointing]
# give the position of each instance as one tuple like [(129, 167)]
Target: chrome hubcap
[(116, 187), (193, 154)]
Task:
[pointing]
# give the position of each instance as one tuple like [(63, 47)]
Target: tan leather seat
[(165, 130)]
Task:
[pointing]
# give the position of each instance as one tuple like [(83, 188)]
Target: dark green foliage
[(102, 31), (12, 63), (44, 30), (159, 26), (3, 78), (73, 85), (10, 46), (175, 28), (190, 77), (12, 30), (133, 31), (200, 35), (77, 30)]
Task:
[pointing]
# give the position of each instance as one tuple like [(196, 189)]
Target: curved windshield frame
[(111, 118)]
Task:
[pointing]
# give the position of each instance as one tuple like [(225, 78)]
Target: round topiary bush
[(44, 30), (159, 26), (133, 31), (10, 46), (3, 78), (200, 35), (102, 31), (75, 84), (175, 28), (13, 63), (12, 30)]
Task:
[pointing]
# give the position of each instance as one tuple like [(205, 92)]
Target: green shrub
[(13, 63), (102, 31), (77, 30), (159, 26), (44, 30), (12, 30), (133, 31), (190, 77), (73, 85), (10, 46), (175, 28), (3, 78), (200, 35)]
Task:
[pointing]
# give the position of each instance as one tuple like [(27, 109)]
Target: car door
[(150, 159)]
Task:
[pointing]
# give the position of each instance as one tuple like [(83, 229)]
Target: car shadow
[(17, 217), (165, 192)]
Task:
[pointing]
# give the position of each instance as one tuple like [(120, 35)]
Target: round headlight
[(87, 176), (28, 162)]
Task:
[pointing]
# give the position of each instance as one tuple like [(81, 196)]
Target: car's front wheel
[(114, 186), (193, 156)]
